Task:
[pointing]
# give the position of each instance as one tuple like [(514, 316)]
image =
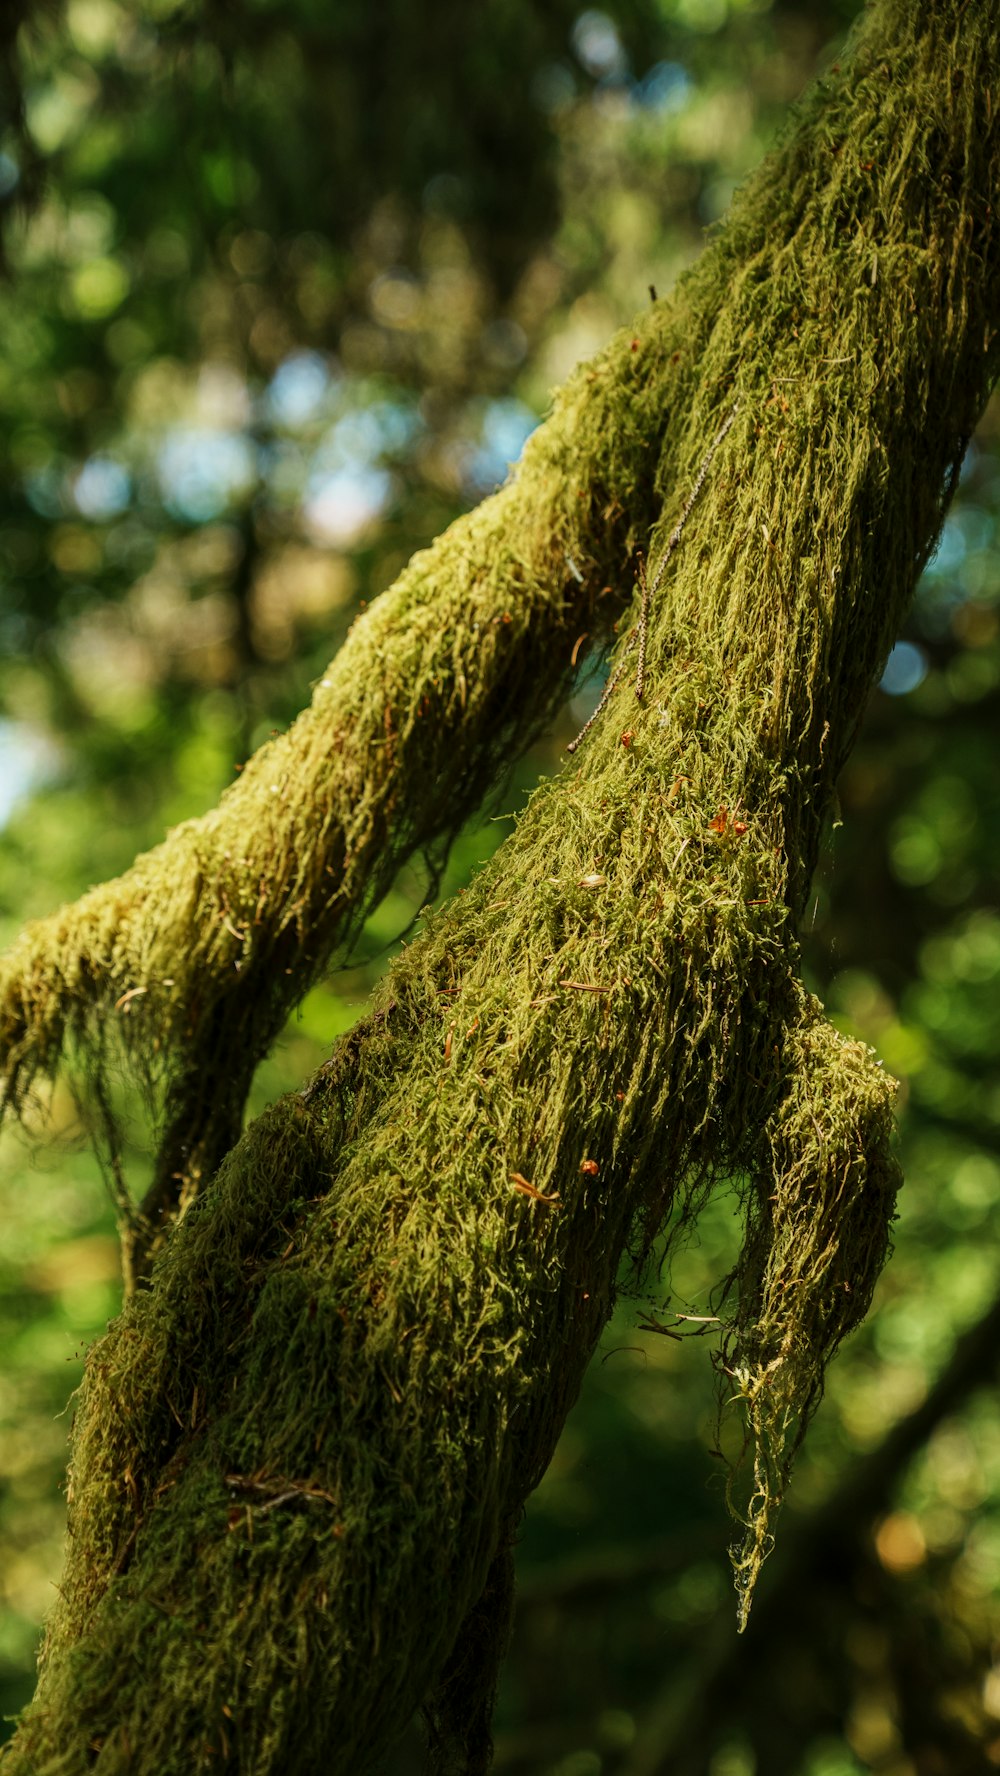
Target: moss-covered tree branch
[(195, 957), (299, 1454)]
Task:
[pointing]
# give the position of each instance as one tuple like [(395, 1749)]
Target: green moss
[(194, 958), (301, 1452)]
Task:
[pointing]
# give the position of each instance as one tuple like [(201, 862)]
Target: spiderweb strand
[(608, 692), (649, 591)]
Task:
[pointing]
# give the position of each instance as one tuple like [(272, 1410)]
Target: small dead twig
[(526, 1188)]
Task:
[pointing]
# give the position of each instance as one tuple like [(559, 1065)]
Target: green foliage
[(584, 1669), (883, 1647), (361, 1343)]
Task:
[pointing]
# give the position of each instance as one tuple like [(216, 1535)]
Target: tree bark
[(194, 958), (299, 1454)]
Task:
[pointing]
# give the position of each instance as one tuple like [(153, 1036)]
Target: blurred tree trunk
[(301, 1452)]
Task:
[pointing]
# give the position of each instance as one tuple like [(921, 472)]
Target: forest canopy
[(241, 385)]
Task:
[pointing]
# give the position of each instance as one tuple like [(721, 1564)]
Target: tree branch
[(393, 1285), (195, 957)]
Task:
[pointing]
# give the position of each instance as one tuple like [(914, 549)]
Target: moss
[(300, 1453), (194, 958)]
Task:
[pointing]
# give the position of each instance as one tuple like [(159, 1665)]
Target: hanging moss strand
[(300, 1453)]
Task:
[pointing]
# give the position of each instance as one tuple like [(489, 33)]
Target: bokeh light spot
[(102, 488), (906, 668)]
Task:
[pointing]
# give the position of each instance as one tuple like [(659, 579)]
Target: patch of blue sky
[(102, 489), (205, 474), (664, 89), (299, 391), (905, 669), (950, 551), (340, 504), (27, 760), (345, 471), (368, 435), (505, 428), (963, 566), (598, 46)]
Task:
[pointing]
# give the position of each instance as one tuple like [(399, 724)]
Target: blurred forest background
[(288, 284)]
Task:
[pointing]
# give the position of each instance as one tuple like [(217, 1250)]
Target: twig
[(609, 689)]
